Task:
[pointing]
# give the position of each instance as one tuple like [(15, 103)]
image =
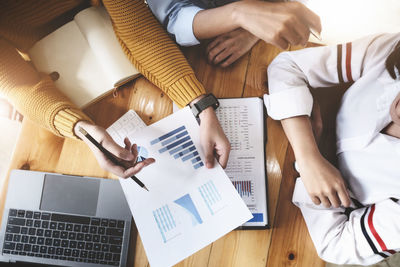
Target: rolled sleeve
[(289, 103), (177, 17), (181, 26)]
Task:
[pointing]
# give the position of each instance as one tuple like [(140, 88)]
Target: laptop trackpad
[(70, 194)]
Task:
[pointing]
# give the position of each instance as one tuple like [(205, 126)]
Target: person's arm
[(37, 98), (362, 236), (280, 24), (158, 58), (289, 77), (177, 18)]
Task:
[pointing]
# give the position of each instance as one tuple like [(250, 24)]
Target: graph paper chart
[(166, 223), (211, 197), (180, 146)]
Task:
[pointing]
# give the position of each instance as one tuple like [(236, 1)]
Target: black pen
[(109, 155)]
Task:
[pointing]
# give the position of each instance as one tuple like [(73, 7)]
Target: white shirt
[(363, 113), (368, 159)]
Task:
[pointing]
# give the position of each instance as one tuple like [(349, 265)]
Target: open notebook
[(86, 54)]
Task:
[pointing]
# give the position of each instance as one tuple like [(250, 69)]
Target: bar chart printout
[(166, 217), (166, 223), (180, 146), (244, 188), (211, 197)]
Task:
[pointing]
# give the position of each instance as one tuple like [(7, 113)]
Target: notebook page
[(95, 25), (67, 52)]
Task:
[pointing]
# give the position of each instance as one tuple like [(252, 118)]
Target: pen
[(316, 35), (109, 155)]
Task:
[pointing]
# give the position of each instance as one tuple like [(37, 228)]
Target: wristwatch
[(208, 101)]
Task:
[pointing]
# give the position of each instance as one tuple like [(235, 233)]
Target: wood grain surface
[(287, 243)]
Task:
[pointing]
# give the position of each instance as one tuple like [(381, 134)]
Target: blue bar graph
[(184, 152), (191, 155), (179, 145), (173, 138), (196, 160), (165, 136), (165, 221), (180, 141), (211, 196), (179, 148)]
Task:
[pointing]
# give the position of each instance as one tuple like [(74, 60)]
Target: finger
[(231, 59), (281, 43), (344, 197), (334, 199), (303, 33), (312, 20), (291, 36), (214, 43), (117, 150), (134, 152), (223, 158), (215, 51), (325, 201), (222, 56), (209, 153), (138, 167), (316, 200), (127, 143)]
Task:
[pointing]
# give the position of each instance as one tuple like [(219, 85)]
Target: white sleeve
[(365, 236), (177, 17), (292, 73)]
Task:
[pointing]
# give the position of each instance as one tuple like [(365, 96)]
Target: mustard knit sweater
[(142, 38)]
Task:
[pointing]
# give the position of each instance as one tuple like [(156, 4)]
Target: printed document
[(188, 206)]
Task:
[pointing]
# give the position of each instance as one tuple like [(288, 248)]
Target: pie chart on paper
[(142, 154)]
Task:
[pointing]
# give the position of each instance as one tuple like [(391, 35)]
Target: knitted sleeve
[(34, 95), (152, 51)]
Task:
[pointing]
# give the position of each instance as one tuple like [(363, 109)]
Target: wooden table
[(287, 243)]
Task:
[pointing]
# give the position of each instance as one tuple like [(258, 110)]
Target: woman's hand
[(323, 182), (126, 156)]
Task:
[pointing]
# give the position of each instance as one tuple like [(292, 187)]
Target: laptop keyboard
[(64, 237)]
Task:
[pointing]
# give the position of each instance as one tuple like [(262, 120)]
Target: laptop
[(64, 220)]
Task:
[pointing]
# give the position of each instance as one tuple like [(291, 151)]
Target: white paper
[(95, 25), (86, 54), (243, 123), (67, 52), (188, 206)]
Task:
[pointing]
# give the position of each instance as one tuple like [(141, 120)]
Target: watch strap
[(208, 101)]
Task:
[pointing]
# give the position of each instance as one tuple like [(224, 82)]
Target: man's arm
[(280, 24)]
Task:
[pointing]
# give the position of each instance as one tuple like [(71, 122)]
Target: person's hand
[(213, 139), (323, 182), (228, 47), (280, 24), (126, 156)]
